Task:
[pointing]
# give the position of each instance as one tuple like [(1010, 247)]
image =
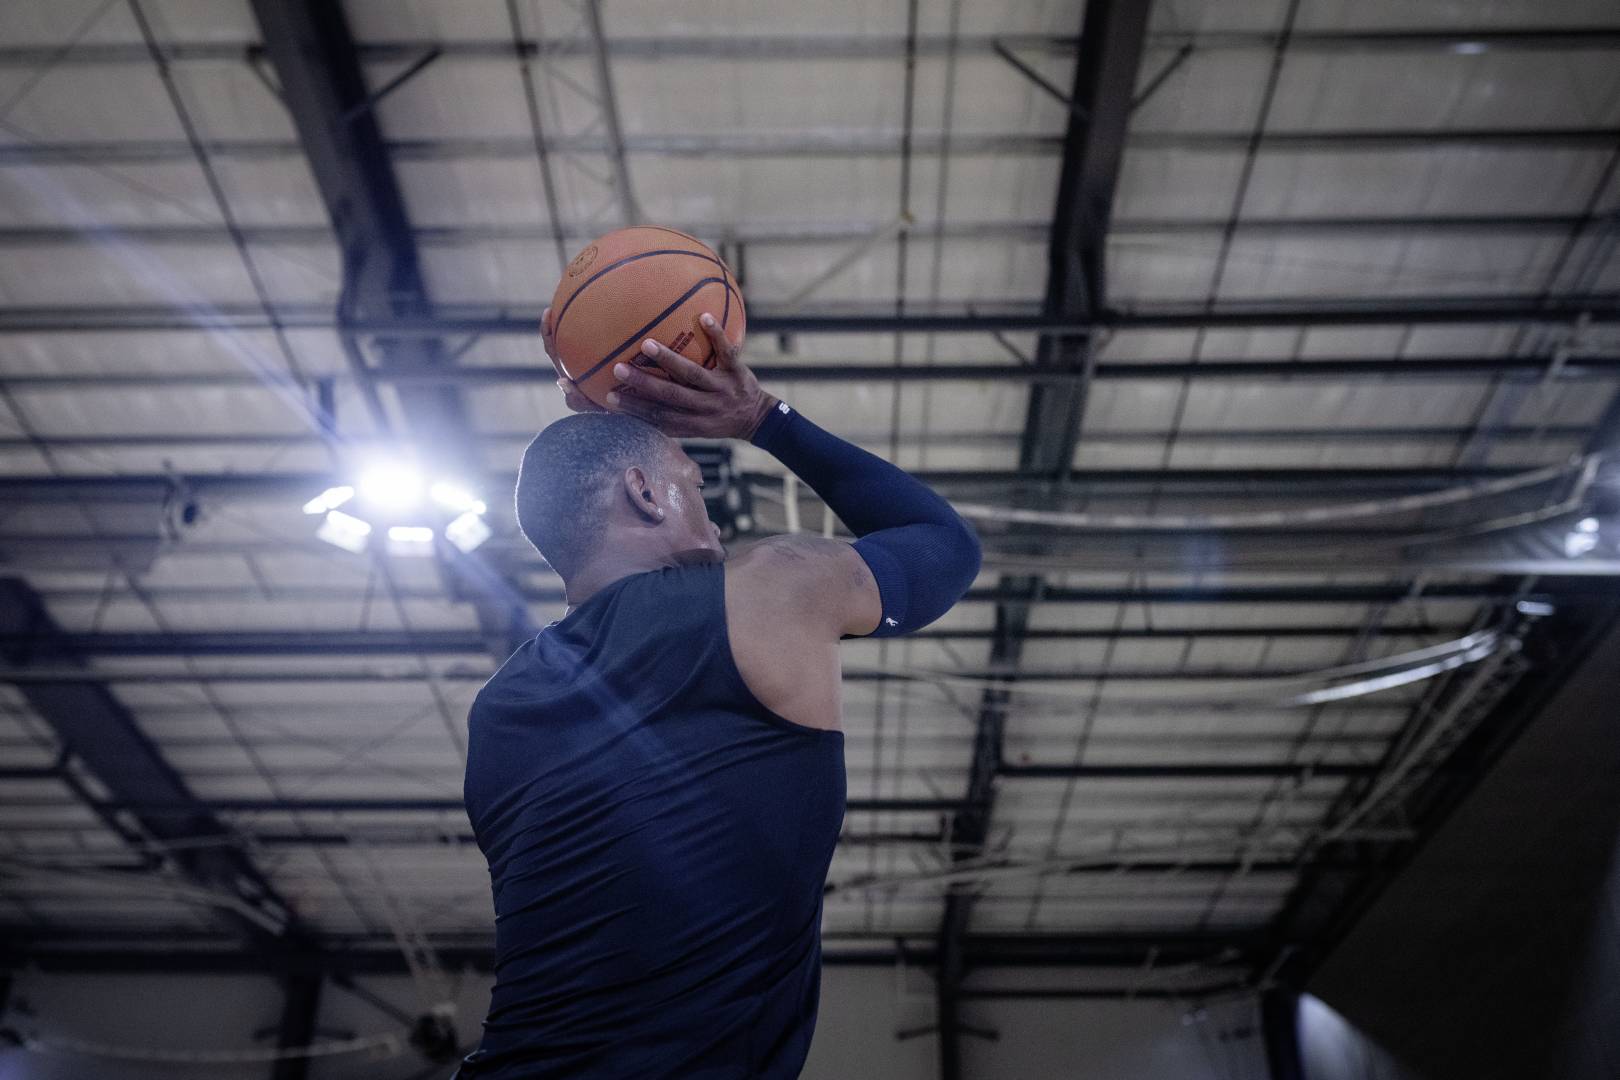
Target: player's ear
[(638, 487)]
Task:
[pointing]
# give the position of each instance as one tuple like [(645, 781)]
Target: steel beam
[(1450, 368), (861, 143), (100, 733), (450, 320), (1117, 437), (1190, 770), (457, 642), (172, 806), (109, 953), (300, 1007), (1181, 995), (833, 46), (993, 676), (762, 236), (1306, 591), (1112, 38), (293, 488)]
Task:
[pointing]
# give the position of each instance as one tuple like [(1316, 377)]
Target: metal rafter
[(1328, 900), (1506, 309), (374, 955), (867, 143), (99, 733), (1112, 38), (795, 235), (1526, 371), (832, 46)]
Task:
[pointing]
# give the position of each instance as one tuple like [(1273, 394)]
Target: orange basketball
[(638, 283)]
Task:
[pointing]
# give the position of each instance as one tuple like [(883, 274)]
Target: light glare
[(395, 486), (410, 540), (1587, 525), (344, 531), (330, 499), (1577, 544), (467, 532), (456, 498)]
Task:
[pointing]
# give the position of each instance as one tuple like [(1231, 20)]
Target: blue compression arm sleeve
[(922, 553)]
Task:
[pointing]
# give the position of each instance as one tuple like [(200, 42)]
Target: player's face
[(695, 536)]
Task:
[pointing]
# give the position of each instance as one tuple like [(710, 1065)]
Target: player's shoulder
[(794, 555), (825, 582), (814, 570)]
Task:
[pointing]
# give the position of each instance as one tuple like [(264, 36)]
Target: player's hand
[(722, 402), (572, 395)]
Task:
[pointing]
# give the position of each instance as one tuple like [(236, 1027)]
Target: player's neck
[(596, 576)]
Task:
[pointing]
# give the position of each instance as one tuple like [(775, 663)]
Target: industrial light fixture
[(468, 531), (345, 531), (1578, 543), (391, 486), (455, 498), (395, 499), (410, 540), (330, 499)]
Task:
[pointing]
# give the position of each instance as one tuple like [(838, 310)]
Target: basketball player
[(657, 779)]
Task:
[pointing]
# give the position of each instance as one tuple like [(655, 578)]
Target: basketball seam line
[(557, 326), (660, 317)]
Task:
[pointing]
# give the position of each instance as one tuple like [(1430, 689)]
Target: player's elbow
[(971, 556), (921, 571), (958, 556)]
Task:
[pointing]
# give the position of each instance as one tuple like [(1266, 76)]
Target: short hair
[(568, 473)]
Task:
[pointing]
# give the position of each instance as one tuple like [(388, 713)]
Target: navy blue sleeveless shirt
[(658, 842)]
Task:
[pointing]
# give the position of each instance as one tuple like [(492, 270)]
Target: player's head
[(604, 484)]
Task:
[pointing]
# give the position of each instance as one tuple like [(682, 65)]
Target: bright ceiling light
[(467, 532), (330, 499), (1468, 48), (392, 486), (1577, 544), (455, 497), (344, 531), (1587, 525), (410, 540)]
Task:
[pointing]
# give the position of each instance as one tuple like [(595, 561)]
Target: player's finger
[(549, 341), (678, 367), (645, 384), (727, 355), (669, 421), (548, 337)]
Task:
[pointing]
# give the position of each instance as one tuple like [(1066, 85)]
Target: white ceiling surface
[(400, 738)]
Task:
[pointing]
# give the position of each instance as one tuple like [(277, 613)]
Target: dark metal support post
[(1279, 1027), (1112, 37), (297, 1027)]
